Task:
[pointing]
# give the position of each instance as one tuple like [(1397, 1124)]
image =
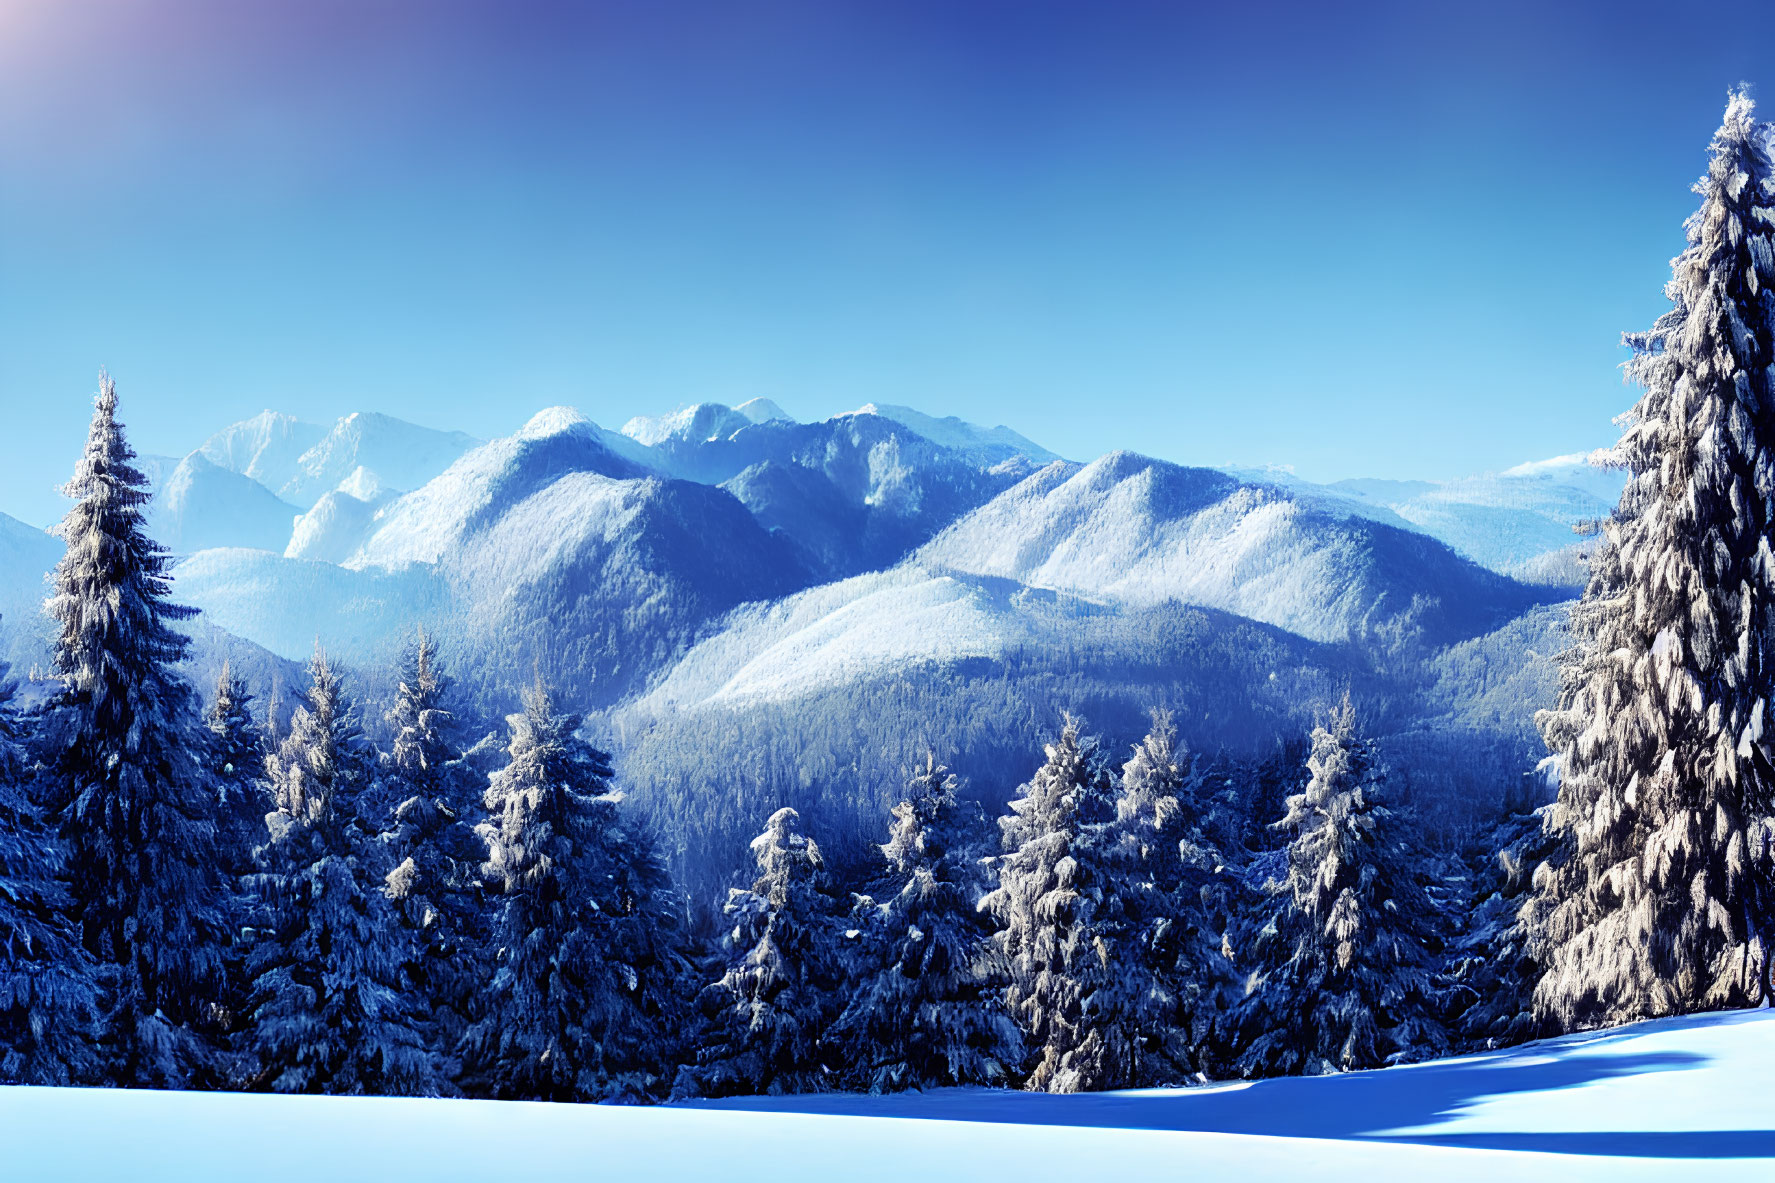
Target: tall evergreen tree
[(237, 763), (329, 1008), (1346, 975), (778, 995), (1661, 899), (930, 1011), (1162, 919), (48, 1000), (435, 883), (582, 1003), (131, 799), (1051, 885)]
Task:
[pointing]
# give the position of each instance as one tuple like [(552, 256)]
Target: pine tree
[(1163, 982), (1661, 899), (1051, 885), (237, 765), (435, 884), (48, 1000), (329, 1008), (131, 800), (1346, 978), (779, 992), (1492, 964), (930, 1012), (582, 1004)]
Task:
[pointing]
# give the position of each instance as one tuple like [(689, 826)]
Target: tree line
[(193, 897)]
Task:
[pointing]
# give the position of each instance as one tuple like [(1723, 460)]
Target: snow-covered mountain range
[(720, 575), (294, 531), (746, 504)]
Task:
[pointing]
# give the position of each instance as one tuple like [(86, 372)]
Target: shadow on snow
[(1358, 1105)]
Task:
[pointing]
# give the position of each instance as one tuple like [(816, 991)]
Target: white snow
[(533, 536), (202, 505), (1580, 470), (265, 447), (1676, 1099), (433, 520), (553, 421), (334, 529), (990, 445), (762, 410), (27, 555), (695, 423), (364, 485), (1109, 530), (1518, 521), (287, 604), (840, 632), (402, 455)]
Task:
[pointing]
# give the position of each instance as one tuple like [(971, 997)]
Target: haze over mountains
[(720, 572)]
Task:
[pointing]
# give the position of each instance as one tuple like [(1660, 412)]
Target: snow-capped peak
[(698, 422), (362, 484), (432, 520), (762, 410), (402, 455), (554, 421), (265, 448), (987, 445)]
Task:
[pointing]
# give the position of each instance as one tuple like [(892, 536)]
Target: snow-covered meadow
[(1670, 1099)]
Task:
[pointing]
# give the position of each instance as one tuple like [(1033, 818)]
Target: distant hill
[(1132, 530)]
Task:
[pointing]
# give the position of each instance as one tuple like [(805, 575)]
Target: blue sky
[(1391, 240)]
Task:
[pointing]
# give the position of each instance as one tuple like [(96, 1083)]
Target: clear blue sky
[(1389, 239)]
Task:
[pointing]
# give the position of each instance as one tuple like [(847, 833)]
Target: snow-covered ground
[(1675, 1099)]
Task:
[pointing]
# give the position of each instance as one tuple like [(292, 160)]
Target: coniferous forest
[(371, 888)]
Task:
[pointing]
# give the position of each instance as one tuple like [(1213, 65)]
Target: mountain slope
[(432, 521), (1137, 531), (855, 493), (401, 455), (1517, 522), (265, 448), (289, 605), (334, 529), (701, 422), (985, 445), (824, 699), (606, 580), (200, 505), (27, 555), (541, 552), (1508, 520)]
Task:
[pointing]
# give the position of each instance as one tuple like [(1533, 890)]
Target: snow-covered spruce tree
[(48, 1001), (1346, 975), (131, 798), (1051, 884), (1162, 920), (1661, 899), (435, 882), (768, 1012), (237, 762), (1492, 966), (329, 1010), (582, 1005), (929, 1011)]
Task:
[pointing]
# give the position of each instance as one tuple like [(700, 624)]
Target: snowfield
[(840, 632), (1672, 1099)]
